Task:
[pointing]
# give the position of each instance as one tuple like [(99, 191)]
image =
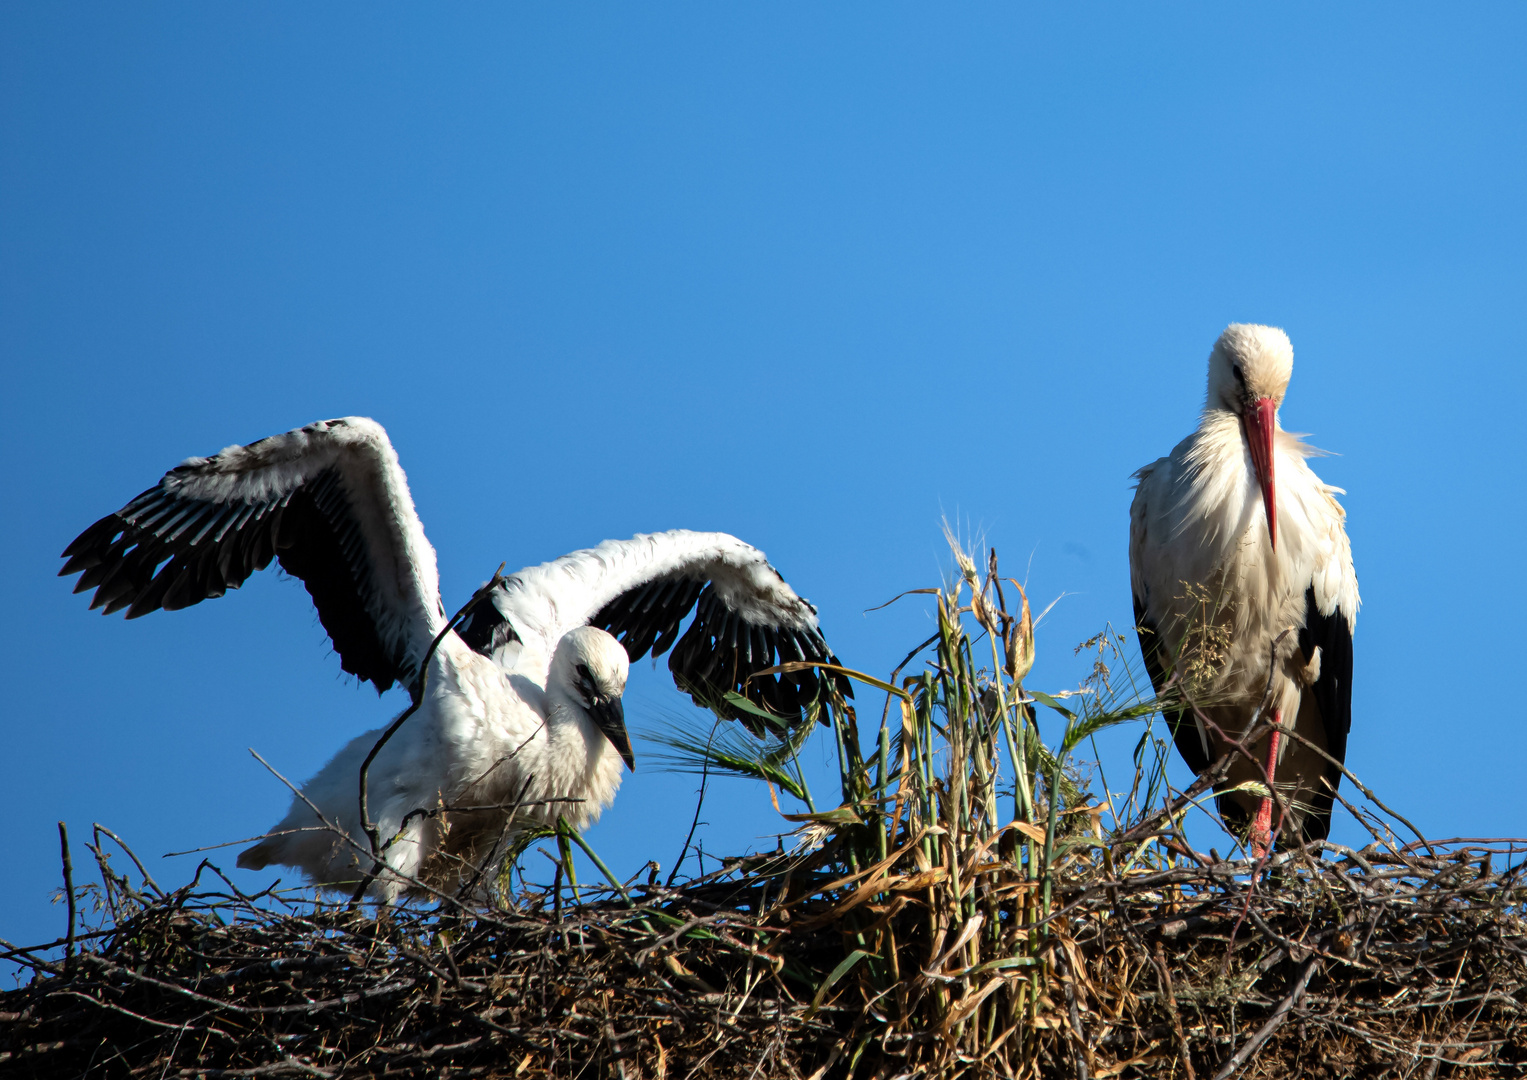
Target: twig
[(699, 804), (1366, 790), (247, 840), (346, 838), (1274, 1022), (1169, 996), (63, 844), (148, 878), (466, 889), (418, 699)]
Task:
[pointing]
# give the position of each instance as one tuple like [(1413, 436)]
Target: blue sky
[(816, 275)]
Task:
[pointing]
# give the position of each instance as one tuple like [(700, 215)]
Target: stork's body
[(520, 704), (483, 739), (1233, 540)]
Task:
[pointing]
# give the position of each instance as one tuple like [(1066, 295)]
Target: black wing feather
[(680, 606), (167, 550), (721, 651), (1158, 665), (486, 630), (1332, 635)]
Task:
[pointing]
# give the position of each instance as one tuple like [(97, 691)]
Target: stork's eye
[(1240, 376), (585, 681)]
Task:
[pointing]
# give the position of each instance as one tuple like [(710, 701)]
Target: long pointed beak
[(1261, 422), (610, 716)]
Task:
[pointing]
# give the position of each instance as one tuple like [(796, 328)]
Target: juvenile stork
[(1233, 540), (520, 704)]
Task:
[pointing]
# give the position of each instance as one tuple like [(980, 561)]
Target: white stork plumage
[(521, 702), (1233, 540)]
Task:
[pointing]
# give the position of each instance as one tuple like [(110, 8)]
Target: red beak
[(1261, 421)]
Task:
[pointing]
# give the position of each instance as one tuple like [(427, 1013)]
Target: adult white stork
[(1233, 539), (521, 703)]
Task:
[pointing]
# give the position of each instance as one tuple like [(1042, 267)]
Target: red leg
[(1261, 826)]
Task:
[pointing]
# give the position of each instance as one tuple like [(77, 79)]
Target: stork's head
[(591, 666), (1248, 375)]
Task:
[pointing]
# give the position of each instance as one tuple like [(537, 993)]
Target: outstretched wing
[(746, 617), (328, 500)]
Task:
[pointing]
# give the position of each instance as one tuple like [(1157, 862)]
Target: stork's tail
[(260, 856)]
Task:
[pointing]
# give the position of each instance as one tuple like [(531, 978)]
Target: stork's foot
[(1261, 830)]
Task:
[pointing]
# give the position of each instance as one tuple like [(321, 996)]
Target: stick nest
[(1391, 962), (970, 911)]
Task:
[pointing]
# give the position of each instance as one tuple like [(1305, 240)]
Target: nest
[(968, 910), (1398, 962)]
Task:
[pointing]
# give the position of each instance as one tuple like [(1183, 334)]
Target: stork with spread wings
[(519, 703)]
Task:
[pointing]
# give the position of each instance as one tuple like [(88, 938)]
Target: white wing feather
[(544, 602)]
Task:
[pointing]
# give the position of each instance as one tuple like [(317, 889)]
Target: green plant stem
[(1023, 801), (882, 764), (1050, 832), (795, 759), (564, 831), (1022, 724), (593, 855)]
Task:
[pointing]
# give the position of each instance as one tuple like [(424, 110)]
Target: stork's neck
[(1215, 497), (568, 724), (578, 760), (1215, 415), (1217, 450), (564, 710)]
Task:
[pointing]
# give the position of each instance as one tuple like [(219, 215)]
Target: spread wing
[(329, 501), (640, 590)]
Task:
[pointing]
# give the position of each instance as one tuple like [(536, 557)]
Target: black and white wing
[(640, 590), (1331, 603), (329, 501), (1332, 690), (1185, 732), (1156, 650)]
